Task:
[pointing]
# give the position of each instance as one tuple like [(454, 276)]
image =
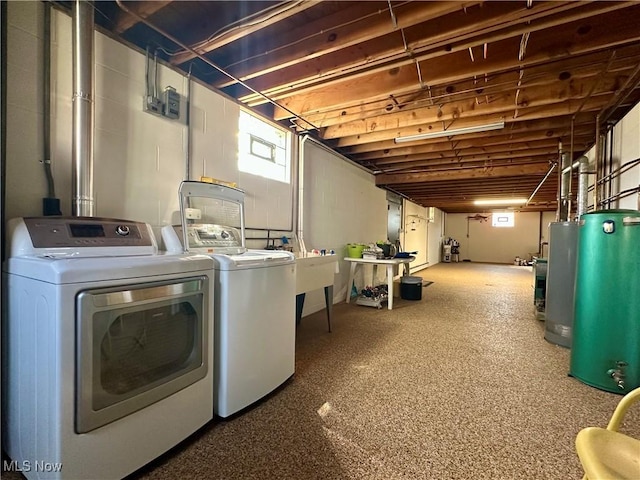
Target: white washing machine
[(107, 347), (254, 307)]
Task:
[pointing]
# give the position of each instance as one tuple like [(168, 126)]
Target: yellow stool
[(607, 453)]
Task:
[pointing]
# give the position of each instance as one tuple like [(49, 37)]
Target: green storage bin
[(605, 352)]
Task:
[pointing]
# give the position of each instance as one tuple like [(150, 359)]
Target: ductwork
[(583, 186), (82, 148)]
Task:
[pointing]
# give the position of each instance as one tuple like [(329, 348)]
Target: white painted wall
[(139, 158), (627, 148), (341, 205), (25, 179), (435, 237), (480, 242), (415, 233)]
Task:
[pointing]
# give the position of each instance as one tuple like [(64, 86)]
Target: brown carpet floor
[(458, 385)]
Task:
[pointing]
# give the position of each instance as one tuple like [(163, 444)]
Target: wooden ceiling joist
[(460, 174)]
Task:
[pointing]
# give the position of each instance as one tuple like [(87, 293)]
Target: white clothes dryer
[(107, 347)]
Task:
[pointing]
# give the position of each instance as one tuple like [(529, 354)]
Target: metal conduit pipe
[(610, 155), (622, 194), (558, 194), (583, 186), (570, 174), (553, 165), (82, 147), (620, 170), (596, 164), (46, 101), (565, 174), (187, 125), (50, 204)]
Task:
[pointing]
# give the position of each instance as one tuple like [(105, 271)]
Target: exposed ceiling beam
[(327, 36), (528, 140), (460, 174), (583, 69), (429, 60), (502, 105), (446, 34), (529, 113), (454, 67)]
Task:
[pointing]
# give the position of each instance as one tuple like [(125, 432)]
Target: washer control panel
[(204, 238), (81, 236), (208, 235)]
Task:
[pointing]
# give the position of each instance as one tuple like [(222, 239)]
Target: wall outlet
[(192, 213)]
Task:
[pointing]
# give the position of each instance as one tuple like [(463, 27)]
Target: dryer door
[(136, 345)]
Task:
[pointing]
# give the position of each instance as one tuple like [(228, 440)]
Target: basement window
[(263, 149), (502, 219)]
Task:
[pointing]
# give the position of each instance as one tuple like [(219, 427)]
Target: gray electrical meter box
[(171, 103)]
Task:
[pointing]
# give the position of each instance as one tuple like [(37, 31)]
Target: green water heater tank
[(605, 352)]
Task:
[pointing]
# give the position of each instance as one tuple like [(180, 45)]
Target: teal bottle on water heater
[(605, 352)]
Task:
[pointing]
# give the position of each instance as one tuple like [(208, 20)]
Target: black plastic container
[(411, 288)]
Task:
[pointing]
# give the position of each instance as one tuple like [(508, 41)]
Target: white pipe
[(596, 164), (300, 202), (82, 149), (540, 184)]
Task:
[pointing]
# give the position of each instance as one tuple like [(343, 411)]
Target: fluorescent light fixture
[(501, 201), (453, 131)]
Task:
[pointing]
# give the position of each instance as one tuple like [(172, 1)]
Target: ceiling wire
[(520, 76), (523, 45), (209, 62), (523, 50), (415, 60), (394, 20)]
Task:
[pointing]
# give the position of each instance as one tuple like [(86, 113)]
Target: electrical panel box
[(171, 103), (153, 105)]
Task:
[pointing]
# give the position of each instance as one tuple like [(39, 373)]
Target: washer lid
[(253, 259), (212, 218), (80, 270)]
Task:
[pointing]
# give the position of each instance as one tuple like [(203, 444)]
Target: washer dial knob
[(122, 230)]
